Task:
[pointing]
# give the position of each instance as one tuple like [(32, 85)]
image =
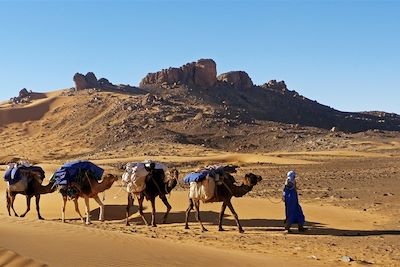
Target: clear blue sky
[(345, 54)]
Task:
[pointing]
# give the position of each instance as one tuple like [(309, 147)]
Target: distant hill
[(189, 105)]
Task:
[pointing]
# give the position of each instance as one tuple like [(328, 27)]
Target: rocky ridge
[(90, 81)]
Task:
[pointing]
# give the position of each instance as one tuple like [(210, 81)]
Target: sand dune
[(12, 259), (30, 112)]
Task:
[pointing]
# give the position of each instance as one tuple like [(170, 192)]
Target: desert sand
[(348, 191)]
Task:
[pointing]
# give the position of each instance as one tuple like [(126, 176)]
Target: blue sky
[(345, 54)]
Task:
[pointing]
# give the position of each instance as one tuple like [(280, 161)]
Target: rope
[(117, 195), (273, 202), (227, 187)]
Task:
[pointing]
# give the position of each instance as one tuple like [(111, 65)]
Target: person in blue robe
[(293, 211)]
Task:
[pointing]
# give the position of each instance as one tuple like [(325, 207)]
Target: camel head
[(171, 180), (251, 179), (111, 178), (173, 174)]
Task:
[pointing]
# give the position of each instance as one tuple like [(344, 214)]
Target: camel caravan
[(141, 180)]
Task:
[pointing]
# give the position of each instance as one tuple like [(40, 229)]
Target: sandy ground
[(106, 244)]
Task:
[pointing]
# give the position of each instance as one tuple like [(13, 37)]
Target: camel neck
[(49, 188), (239, 191), (104, 185)]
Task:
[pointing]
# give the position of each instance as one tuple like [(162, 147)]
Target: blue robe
[(294, 213)]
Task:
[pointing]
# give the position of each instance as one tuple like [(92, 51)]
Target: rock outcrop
[(24, 96), (274, 85), (23, 93), (202, 73), (237, 79), (85, 81), (89, 81)]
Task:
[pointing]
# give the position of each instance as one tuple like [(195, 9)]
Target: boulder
[(274, 85), (238, 79), (23, 93), (205, 73), (201, 74), (80, 81), (103, 82), (148, 99), (91, 80)]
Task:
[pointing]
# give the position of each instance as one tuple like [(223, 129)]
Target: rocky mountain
[(235, 92), (187, 106)]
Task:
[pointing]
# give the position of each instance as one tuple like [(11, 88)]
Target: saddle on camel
[(82, 179)]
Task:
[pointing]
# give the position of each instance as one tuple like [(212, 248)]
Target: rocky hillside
[(186, 106), (273, 101)]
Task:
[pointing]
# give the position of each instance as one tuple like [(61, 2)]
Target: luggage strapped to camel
[(71, 176), (18, 175), (204, 182), (137, 174)]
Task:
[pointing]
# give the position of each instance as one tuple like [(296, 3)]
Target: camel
[(35, 188), (90, 188), (224, 193), (156, 185)]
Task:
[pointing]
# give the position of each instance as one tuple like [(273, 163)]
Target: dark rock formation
[(85, 81), (103, 82), (24, 96), (23, 93), (274, 85), (238, 79), (89, 81), (80, 81), (201, 74)]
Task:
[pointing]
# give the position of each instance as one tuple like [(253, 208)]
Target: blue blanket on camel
[(72, 171), (14, 175)]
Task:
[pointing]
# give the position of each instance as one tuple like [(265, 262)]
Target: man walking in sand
[(293, 211)]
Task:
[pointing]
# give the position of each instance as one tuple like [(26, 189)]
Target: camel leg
[(166, 203), (101, 214), (153, 212), (128, 207), (188, 213), (12, 205), (37, 198), (235, 216), (8, 203), (63, 209), (140, 200), (87, 210), (77, 209), (197, 208), (28, 206), (221, 217)]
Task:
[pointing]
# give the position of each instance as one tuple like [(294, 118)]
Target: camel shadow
[(117, 212), (113, 212), (326, 231), (268, 225)]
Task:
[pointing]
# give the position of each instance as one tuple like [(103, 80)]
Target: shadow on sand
[(117, 212)]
